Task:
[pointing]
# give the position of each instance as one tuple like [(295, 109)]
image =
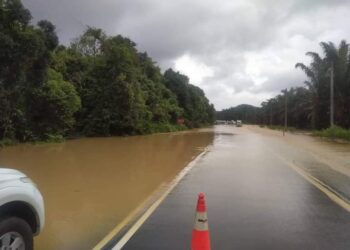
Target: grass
[(54, 138), (7, 142), (49, 138), (334, 132)]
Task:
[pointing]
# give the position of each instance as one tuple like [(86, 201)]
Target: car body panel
[(16, 186)]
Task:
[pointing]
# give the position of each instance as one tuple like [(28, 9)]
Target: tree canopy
[(100, 85), (244, 112)]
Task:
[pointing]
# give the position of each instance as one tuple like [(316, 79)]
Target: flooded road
[(257, 198), (90, 185), (326, 161)]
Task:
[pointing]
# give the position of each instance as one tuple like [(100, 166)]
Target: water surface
[(90, 185)]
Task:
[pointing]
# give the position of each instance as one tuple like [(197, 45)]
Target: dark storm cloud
[(165, 28), (250, 47)]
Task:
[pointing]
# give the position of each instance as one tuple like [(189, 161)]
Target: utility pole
[(332, 96), (285, 111)]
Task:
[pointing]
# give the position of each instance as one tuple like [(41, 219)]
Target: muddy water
[(90, 185)]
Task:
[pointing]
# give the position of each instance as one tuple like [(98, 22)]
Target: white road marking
[(148, 212)]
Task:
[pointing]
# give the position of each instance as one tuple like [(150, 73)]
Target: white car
[(21, 210)]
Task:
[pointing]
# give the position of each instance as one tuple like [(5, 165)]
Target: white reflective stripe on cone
[(201, 221)]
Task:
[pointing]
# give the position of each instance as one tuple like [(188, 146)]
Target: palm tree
[(318, 83), (339, 58), (316, 73)]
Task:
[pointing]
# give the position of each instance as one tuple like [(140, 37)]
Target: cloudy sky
[(237, 51)]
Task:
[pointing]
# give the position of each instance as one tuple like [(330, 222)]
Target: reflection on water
[(90, 185)]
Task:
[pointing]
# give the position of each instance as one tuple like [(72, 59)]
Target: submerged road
[(255, 199)]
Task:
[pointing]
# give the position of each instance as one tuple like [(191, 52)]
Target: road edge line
[(156, 204), (327, 190), (139, 222), (330, 192)]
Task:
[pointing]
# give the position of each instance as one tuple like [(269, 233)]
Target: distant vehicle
[(239, 123), (21, 210)]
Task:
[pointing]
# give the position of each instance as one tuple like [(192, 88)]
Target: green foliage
[(48, 29), (7, 142), (122, 91), (90, 43), (197, 110), (299, 109), (53, 138), (24, 59), (98, 86), (53, 106), (14, 14), (309, 107), (334, 132), (246, 113)]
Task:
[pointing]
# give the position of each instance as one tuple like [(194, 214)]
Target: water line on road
[(143, 217), (256, 200), (327, 190), (90, 185)]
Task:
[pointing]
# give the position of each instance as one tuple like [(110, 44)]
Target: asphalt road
[(255, 201)]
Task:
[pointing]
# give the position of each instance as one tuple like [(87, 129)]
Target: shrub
[(6, 142), (334, 132)]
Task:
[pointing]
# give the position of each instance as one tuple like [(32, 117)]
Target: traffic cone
[(200, 233)]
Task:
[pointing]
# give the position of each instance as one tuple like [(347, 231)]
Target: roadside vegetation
[(334, 132), (244, 112), (100, 85), (308, 107)]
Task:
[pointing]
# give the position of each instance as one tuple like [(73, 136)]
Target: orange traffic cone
[(200, 233)]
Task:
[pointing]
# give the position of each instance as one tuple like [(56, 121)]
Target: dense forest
[(100, 85), (308, 107), (244, 112)]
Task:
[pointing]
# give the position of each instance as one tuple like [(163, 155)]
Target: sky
[(237, 51)]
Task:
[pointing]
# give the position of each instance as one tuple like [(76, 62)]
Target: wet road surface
[(255, 200)]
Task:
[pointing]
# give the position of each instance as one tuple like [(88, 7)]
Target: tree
[(53, 106), (98, 86), (49, 31), (197, 109), (338, 58), (24, 61), (89, 44), (318, 84), (309, 107), (246, 113)]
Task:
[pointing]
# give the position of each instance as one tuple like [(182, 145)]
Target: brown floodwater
[(90, 185)]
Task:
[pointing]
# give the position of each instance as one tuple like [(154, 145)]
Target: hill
[(245, 112)]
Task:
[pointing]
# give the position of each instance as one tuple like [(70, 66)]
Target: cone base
[(200, 240)]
